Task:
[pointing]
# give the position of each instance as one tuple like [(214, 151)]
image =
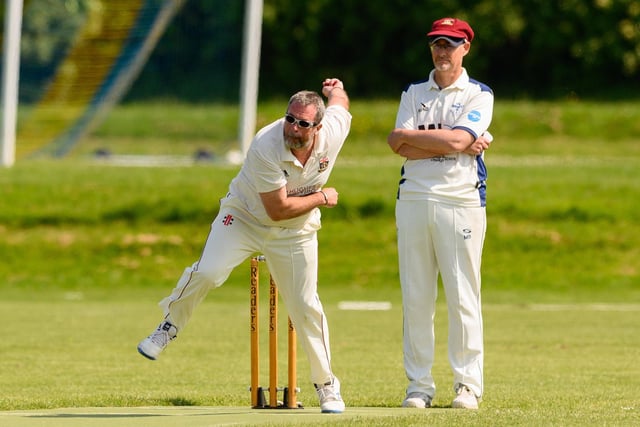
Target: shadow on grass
[(179, 401)]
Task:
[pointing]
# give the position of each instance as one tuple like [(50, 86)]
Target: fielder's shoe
[(465, 398), (152, 346), (416, 399), (330, 400)]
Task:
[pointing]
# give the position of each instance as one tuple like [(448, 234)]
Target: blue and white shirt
[(457, 179)]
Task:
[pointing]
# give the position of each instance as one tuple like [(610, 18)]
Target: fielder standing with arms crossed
[(440, 215), (272, 208)]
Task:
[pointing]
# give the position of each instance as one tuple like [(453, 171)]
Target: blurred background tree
[(523, 48)]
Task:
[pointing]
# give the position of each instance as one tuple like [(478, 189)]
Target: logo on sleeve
[(324, 164), (474, 116)]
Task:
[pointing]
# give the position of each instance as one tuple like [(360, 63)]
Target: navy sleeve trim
[(406, 88), (471, 131), (483, 87)]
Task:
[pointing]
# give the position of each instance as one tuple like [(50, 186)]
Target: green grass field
[(89, 248)]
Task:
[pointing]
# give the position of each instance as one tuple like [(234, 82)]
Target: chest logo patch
[(227, 220)]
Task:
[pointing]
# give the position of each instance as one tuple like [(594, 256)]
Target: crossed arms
[(423, 144)]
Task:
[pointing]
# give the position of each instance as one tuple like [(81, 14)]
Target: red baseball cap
[(450, 27)]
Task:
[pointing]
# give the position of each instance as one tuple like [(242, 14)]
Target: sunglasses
[(301, 123)]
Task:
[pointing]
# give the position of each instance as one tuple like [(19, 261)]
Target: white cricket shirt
[(270, 165), (457, 178)]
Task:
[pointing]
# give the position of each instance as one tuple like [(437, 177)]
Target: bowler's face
[(296, 136)]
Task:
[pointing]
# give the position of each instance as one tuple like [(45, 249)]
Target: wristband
[(326, 199)]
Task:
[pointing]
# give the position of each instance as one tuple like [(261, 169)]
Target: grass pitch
[(88, 249), (200, 417), (74, 362)]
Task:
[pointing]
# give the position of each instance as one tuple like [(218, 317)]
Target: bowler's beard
[(295, 142)]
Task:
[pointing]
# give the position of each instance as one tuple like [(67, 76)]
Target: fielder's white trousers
[(436, 239), (292, 260)]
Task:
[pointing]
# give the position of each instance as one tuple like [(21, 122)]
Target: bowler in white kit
[(440, 215), (272, 208)]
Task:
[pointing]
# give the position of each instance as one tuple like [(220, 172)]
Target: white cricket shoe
[(465, 398), (330, 400), (417, 400), (152, 346)]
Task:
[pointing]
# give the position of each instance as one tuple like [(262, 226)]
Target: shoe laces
[(463, 389), (166, 332), (327, 392)]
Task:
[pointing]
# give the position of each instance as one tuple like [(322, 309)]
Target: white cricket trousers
[(436, 239), (292, 259)]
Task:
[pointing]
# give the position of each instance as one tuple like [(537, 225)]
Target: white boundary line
[(364, 305), (584, 307), (596, 306)]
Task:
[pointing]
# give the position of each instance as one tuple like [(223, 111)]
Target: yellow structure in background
[(107, 55)]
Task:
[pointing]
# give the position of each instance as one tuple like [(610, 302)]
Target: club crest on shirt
[(324, 164), (456, 108)]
